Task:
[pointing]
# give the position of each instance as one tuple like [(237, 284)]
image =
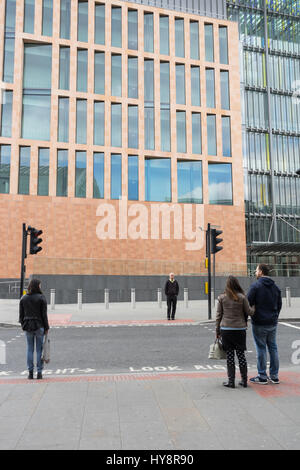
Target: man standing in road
[(171, 291), (266, 297)]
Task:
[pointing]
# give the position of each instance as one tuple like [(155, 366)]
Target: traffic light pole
[(208, 249), (24, 255)]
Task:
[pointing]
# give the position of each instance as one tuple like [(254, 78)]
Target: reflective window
[(133, 126), (43, 174), (98, 173), (81, 121), (180, 83), (132, 29), (179, 37), (116, 176), (211, 135), (116, 26), (148, 32), (209, 42), (181, 131), (195, 86), (226, 136), (116, 75), (47, 17), (62, 173), (99, 122), (223, 43), (196, 133), (116, 125), (65, 19), (220, 183), (83, 21), (165, 130), (6, 113), (99, 73), (164, 34), (82, 69), (24, 170), (194, 40), (29, 16), (5, 155), (64, 67), (132, 77), (210, 88), (158, 179), (99, 23), (63, 119), (133, 177), (224, 78), (189, 181), (9, 41), (149, 103), (164, 83), (80, 174)]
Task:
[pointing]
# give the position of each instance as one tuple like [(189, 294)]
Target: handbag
[(46, 350), (216, 351)]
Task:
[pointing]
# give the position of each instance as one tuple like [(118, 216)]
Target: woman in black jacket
[(34, 321)]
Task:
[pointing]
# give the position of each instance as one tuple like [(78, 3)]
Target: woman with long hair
[(34, 321), (231, 324)]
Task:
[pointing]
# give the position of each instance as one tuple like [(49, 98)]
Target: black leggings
[(240, 355)]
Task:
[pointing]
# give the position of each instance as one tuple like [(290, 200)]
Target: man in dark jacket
[(266, 297), (171, 291)]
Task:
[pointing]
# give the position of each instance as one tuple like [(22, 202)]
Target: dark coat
[(266, 297), (171, 288), (33, 309)]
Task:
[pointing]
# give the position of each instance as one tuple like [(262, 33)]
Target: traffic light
[(35, 240), (215, 240)]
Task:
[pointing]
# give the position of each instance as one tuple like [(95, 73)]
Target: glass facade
[(98, 175), (99, 122), (209, 43), (149, 103), (65, 19), (82, 70), (99, 23), (220, 183), (116, 125), (164, 34), (24, 170), (80, 174), (194, 40), (63, 119), (179, 37), (133, 77), (81, 121), (9, 41), (196, 133), (62, 173), (64, 68), (99, 72), (83, 21), (181, 131), (116, 75), (180, 83), (47, 20), (116, 26), (133, 177), (195, 85), (189, 178), (29, 11), (224, 80), (211, 135), (133, 126), (132, 29), (116, 176), (158, 179), (6, 113), (226, 136), (210, 88), (148, 32), (43, 172), (5, 159)]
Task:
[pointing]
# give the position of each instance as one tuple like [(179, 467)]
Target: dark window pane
[(133, 178), (226, 136), (24, 170), (98, 181), (116, 26), (43, 176), (99, 122), (116, 176), (99, 73), (132, 29), (209, 43), (80, 174), (211, 135), (220, 183), (63, 119), (164, 34), (189, 180), (133, 127), (65, 19), (158, 179), (99, 23), (6, 113), (62, 173), (5, 155)]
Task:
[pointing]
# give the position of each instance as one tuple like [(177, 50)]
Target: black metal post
[(208, 249), (24, 255)]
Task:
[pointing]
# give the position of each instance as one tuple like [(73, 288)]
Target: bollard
[(133, 298), (186, 297), (52, 299), (159, 297), (79, 299), (288, 296), (106, 298)]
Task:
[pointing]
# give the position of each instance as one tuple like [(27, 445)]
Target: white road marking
[(291, 326)]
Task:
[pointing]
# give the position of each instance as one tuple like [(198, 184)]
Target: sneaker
[(259, 380), (274, 381)]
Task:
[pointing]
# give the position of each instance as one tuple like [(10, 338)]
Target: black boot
[(39, 376), (244, 377), (30, 375), (231, 377)]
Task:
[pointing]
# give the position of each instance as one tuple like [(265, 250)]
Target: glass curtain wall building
[(269, 34)]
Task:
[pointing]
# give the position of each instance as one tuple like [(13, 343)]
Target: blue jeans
[(36, 337), (265, 337)]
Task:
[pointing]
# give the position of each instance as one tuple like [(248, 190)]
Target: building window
[(64, 68), (179, 37), (223, 43), (80, 174), (196, 133), (116, 26), (189, 182), (148, 32), (99, 73), (81, 121), (224, 79), (132, 77), (24, 170), (43, 176), (165, 130), (47, 17), (63, 119), (165, 133), (6, 113), (98, 175), (194, 40), (158, 179), (165, 83), (226, 136), (133, 126), (195, 86), (220, 183), (211, 135), (181, 131), (99, 122), (5, 153), (116, 176), (116, 75), (83, 21), (209, 43), (99, 23), (210, 88), (9, 41), (132, 29), (180, 83), (149, 103), (62, 173), (116, 125), (65, 19), (37, 91), (164, 34), (133, 178), (82, 70), (29, 7)]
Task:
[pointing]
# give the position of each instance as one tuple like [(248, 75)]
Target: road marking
[(291, 326)]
